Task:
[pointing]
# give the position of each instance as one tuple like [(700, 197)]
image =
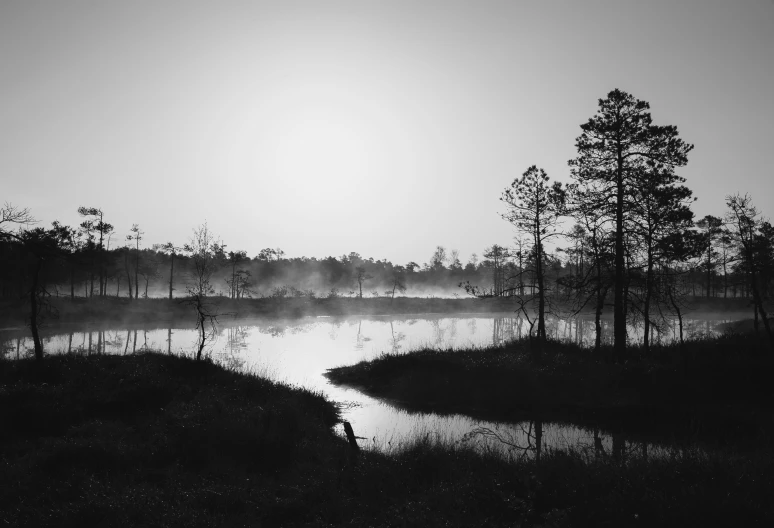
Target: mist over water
[(299, 352)]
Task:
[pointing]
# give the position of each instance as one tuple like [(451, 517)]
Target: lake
[(298, 352)]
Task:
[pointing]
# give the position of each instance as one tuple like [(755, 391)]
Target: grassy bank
[(155, 440), (715, 390)]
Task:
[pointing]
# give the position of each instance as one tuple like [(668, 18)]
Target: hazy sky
[(386, 128)]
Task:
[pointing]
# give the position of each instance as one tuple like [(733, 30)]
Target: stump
[(351, 437)]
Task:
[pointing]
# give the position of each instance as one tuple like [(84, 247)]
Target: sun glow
[(322, 153)]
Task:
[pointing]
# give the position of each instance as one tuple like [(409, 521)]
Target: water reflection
[(299, 352)]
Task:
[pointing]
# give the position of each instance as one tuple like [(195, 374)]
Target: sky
[(384, 128)]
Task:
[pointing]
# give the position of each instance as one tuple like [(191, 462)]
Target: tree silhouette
[(361, 275), (235, 258), (613, 149), (659, 215), (201, 247), (712, 228), (95, 223), (170, 249), (535, 207), (747, 229), (136, 236)]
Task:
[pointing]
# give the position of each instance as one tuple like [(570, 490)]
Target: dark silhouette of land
[(153, 439)]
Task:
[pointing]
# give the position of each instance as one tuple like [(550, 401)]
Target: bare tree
[(454, 259), (13, 215), (439, 258), (201, 249)]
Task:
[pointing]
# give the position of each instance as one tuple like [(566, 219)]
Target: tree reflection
[(396, 339)]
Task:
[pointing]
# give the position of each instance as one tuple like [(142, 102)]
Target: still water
[(299, 352)]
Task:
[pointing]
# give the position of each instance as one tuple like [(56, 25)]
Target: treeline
[(79, 262)]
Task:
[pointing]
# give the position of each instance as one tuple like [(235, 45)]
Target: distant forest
[(84, 265)]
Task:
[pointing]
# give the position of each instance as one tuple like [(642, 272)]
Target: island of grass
[(159, 440), (717, 390)]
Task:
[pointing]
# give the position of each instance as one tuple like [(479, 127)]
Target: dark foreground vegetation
[(156, 440), (717, 391)]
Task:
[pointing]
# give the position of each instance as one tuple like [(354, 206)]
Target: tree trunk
[(34, 312), (601, 293), (619, 316), (203, 335), (128, 275), (709, 268), (72, 281), (137, 269), (678, 312), (646, 304), (171, 272), (759, 309), (725, 277), (541, 296), (233, 280), (538, 439)]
